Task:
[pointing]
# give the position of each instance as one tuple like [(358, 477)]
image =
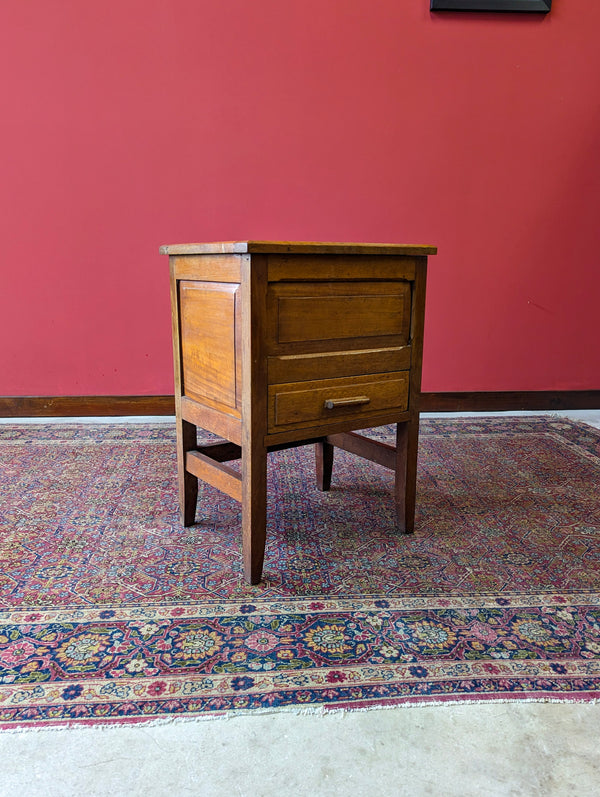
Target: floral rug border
[(310, 655)]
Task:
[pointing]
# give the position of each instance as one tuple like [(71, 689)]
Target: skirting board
[(500, 401), (84, 406)]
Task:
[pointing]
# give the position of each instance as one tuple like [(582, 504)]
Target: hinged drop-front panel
[(328, 315)]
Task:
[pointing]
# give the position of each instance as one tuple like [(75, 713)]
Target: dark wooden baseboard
[(511, 401), (84, 406), (500, 401)]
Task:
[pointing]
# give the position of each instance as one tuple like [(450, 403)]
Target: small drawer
[(318, 313), (309, 403)]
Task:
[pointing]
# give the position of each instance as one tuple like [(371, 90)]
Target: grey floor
[(530, 749)]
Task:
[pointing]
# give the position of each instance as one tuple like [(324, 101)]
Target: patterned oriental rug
[(111, 611)]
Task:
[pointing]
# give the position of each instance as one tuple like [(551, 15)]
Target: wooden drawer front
[(322, 312), (328, 365), (309, 403)]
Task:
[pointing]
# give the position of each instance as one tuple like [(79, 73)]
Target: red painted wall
[(134, 123)]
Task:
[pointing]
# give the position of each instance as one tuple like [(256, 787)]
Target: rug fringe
[(320, 711)]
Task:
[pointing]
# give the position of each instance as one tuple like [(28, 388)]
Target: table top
[(296, 247)]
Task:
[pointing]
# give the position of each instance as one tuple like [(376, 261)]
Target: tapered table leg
[(407, 443), (254, 511), (324, 464), (188, 483)]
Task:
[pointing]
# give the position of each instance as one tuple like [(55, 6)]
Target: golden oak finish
[(254, 420), (280, 343), (324, 400), (219, 268), (208, 351), (214, 472), (297, 247), (339, 267), (302, 367), (217, 421), (326, 311)]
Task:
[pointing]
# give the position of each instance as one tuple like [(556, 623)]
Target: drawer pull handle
[(331, 404)]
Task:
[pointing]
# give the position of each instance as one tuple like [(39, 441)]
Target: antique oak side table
[(280, 344)]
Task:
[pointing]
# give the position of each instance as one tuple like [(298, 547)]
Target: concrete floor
[(530, 749), (494, 749)]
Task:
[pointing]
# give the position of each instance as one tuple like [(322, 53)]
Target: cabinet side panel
[(208, 341)]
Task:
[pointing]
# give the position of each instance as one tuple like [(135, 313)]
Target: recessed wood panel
[(331, 311), (208, 330)]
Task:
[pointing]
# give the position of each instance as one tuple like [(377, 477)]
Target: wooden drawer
[(299, 404), (310, 316)]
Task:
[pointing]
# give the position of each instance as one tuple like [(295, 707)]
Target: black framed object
[(541, 6)]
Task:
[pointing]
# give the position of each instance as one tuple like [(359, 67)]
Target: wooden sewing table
[(279, 344)]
